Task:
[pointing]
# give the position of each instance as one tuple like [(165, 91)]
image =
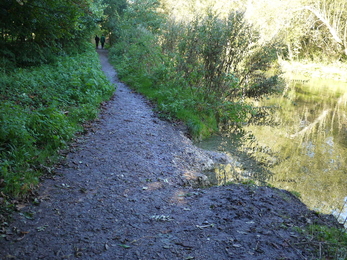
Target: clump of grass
[(326, 242), (296, 194)]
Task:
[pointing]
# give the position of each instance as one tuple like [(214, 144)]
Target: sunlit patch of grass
[(296, 194), (248, 182), (327, 242)]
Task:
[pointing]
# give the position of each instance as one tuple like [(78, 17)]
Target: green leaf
[(124, 246)]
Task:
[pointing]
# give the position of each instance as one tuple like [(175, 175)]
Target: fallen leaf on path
[(124, 246), (27, 215), (42, 228), (20, 238), (161, 218), (20, 206), (205, 226), (36, 202)]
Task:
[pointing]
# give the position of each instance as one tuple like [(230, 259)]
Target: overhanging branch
[(325, 21)]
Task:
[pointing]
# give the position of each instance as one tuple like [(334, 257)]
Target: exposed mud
[(129, 190)]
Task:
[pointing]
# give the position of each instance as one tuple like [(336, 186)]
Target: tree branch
[(332, 30)]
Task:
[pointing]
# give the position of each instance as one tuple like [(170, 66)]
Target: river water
[(301, 147)]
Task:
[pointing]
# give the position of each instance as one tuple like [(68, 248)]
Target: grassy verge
[(40, 111), (168, 92), (203, 72), (325, 242)]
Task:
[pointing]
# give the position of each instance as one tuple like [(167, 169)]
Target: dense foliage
[(50, 83), (40, 111), (202, 71), (309, 29), (110, 22), (35, 32)]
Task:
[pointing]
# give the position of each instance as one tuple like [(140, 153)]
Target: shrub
[(202, 72)]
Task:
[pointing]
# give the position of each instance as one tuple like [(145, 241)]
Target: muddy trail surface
[(128, 189)]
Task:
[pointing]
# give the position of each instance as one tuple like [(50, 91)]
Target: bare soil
[(130, 189)]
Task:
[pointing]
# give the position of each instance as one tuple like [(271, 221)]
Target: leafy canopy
[(33, 32)]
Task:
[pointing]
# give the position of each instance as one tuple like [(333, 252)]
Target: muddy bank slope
[(125, 192)]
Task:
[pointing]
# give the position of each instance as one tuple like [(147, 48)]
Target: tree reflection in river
[(307, 148)]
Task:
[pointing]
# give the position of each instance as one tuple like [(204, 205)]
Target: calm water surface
[(304, 142)]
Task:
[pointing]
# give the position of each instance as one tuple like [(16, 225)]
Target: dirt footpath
[(125, 192)]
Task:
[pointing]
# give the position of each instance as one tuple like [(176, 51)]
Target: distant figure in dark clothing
[(97, 39), (102, 40)]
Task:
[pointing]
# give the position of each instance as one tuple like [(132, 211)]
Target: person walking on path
[(97, 39), (102, 40)]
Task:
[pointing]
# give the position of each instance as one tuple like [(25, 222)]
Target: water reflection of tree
[(243, 146), (311, 156), (300, 145)]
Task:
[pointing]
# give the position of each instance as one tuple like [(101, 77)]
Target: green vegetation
[(202, 62), (36, 32), (50, 84), (110, 19), (296, 194), (201, 72), (248, 182), (329, 242), (41, 109), (308, 29)]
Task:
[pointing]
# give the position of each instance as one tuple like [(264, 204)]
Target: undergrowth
[(173, 101), (202, 72), (41, 109), (326, 242)]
